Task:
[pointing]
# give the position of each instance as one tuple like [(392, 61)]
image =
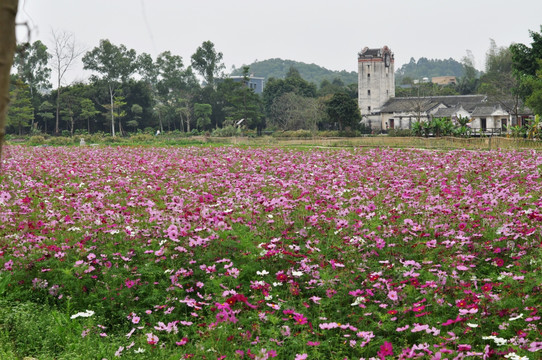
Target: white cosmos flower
[(297, 273), (262, 273), (87, 313)]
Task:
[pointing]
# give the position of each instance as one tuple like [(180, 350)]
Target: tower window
[(369, 92), (368, 76), (368, 108)]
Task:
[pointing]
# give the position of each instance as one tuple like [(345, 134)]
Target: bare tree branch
[(65, 52)]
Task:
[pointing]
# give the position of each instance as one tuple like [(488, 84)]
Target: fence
[(481, 143)]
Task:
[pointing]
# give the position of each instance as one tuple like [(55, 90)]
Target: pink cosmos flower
[(392, 295), (301, 356), (183, 341), (300, 319), (152, 339)]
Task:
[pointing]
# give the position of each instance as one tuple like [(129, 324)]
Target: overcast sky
[(328, 33)]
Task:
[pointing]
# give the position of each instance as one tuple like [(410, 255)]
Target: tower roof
[(367, 53)]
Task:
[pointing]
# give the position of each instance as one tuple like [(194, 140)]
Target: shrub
[(142, 138), (61, 141), (227, 131), (37, 140)]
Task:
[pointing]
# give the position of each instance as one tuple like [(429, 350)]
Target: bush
[(37, 140), (227, 131), (142, 138), (61, 141)]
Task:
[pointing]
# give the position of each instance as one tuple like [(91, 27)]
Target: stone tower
[(376, 82)]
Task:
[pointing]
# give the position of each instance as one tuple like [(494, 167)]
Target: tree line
[(133, 93)]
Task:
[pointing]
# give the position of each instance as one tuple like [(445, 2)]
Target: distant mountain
[(417, 70), (278, 68)]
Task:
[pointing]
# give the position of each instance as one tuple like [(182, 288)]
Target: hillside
[(278, 68), (429, 68), (419, 69)]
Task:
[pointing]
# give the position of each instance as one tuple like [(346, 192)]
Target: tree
[(20, 112), (136, 110), (208, 62), (291, 111), (88, 111), (525, 58), (46, 113), (241, 102), (116, 64), (527, 64), (31, 62), (203, 112), (293, 83), (468, 83), (344, 110), (499, 82), (65, 52), (534, 99)]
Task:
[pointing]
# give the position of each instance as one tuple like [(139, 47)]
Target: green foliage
[(114, 63), (241, 103), (208, 62), (525, 58), (293, 83), (343, 110), (31, 64), (227, 131), (20, 111), (203, 112)]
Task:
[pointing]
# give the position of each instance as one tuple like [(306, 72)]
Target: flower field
[(242, 253)]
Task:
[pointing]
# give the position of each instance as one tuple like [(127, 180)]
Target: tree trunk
[(57, 123), (8, 11), (112, 113)]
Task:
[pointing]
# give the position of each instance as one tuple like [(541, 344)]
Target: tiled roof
[(484, 110), (407, 104)]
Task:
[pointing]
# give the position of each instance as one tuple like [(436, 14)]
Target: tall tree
[(8, 12), (241, 102), (21, 111), (468, 83), (65, 52), (208, 62), (115, 64), (31, 62), (524, 57), (527, 64), (46, 113), (499, 82), (203, 112), (88, 111)]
